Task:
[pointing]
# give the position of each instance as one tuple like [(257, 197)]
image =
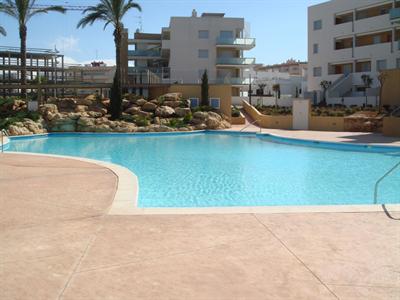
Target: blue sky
[(280, 27)]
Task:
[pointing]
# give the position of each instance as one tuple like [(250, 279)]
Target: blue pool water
[(216, 169)]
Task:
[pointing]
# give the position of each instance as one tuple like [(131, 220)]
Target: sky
[(279, 26)]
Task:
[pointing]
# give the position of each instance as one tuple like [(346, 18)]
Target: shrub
[(141, 121), (188, 118), (176, 123)]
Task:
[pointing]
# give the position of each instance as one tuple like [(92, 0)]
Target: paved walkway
[(328, 136), (57, 242)]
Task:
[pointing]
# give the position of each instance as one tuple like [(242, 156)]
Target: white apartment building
[(349, 38), (189, 46), (96, 72), (290, 75)]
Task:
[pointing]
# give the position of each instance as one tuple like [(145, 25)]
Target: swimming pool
[(215, 169)]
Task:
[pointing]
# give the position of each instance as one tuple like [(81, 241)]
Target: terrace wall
[(326, 123), (265, 121), (391, 126)]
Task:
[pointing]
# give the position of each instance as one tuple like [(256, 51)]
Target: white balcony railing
[(235, 61)]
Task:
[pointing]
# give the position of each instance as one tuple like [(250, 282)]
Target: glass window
[(317, 25), (381, 64), (203, 34), (317, 72), (215, 103), (203, 53), (226, 34), (376, 39), (194, 102), (315, 48)]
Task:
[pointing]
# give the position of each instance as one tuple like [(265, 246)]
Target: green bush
[(176, 123), (203, 108), (188, 118), (142, 121), (19, 116)]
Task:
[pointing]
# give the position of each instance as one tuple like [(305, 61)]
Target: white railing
[(3, 133)]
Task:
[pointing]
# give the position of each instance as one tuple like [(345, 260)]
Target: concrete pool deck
[(59, 242)]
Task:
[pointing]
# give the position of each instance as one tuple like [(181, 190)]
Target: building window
[(381, 65), (203, 53), (226, 34), (317, 25), (317, 72), (363, 66), (315, 48), (376, 39), (194, 102), (203, 34), (215, 103), (398, 63)]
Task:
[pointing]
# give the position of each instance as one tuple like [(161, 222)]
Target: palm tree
[(325, 86), (3, 31), (111, 12), (367, 84), (277, 89), (23, 11)]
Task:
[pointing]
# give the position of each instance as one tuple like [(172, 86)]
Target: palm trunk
[(116, 91), (22, 35)]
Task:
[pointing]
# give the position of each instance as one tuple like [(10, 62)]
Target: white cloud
[(66, 44)]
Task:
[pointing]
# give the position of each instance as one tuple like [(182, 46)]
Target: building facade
[(189, 46), (348, 39)]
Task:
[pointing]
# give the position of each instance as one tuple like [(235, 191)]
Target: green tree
[(111, 12), (204, 89), (23, 11), (325, 86), (3, 31), (367, 84)]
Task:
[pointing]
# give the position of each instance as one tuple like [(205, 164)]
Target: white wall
[(184, 43), (325, 38)]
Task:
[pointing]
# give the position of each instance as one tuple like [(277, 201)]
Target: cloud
[(67, 44)]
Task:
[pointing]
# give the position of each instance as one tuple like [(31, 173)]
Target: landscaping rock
[(164, 111), (172, 96), (172, 104), (182, 112), (140, 102), (149, 107), (133, 110)]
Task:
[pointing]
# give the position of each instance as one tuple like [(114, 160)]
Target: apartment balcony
[(244, 44), (395, 15), (233, 80), (235, 62), (144, 54)]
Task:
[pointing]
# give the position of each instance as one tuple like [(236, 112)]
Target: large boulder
[(164, 111), (172, 96), (172, 104), (87, 101), (201, 115), (18, 129), (149, 107), (81, 108), (182, 112), (133, 110), (67, 104), (140, 102), (63, 123)]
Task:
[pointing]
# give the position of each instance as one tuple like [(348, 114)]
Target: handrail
[(380, 180), (250, 125), (3, 133)]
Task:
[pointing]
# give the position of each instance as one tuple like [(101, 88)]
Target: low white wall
[(270, 101), (360, 101)]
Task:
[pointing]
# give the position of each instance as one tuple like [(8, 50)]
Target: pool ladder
[(3, 133), (380, 180)]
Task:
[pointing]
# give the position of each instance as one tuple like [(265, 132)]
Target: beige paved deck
[(57, 242)]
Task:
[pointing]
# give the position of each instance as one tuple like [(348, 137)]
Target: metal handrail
[(380, 180), (3, 133), (250, 125)]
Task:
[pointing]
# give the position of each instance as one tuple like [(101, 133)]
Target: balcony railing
[(233, 80), (395, 15), (235, 61), (144, 53), (236, 42)]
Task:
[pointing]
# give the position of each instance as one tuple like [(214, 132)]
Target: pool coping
[(126, 196)]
